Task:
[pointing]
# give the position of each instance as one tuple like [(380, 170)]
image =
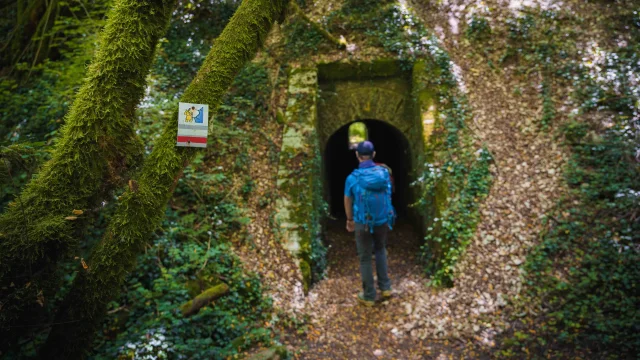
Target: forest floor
[(340, 328)]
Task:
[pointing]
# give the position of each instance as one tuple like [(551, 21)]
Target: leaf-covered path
[(340, 328)]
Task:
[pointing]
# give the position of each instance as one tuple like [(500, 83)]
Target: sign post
[(193, 125)]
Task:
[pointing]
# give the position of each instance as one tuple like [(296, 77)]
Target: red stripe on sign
[(193, 139)]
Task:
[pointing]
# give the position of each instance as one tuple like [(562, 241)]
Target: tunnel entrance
[(404, 241), (316, 158), (392, 149)]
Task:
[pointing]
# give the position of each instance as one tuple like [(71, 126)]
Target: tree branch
[(192, 307), (327, 35), (97, 145)]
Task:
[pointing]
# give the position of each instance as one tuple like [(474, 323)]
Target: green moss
[(193, 306), (276, 352), (299, 211), (305, 268), (97, 146), (140, 212), (378, 68)]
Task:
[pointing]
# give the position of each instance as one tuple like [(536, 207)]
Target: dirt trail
[(342, 329)]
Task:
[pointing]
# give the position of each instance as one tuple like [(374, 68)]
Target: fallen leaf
[(40, 299)]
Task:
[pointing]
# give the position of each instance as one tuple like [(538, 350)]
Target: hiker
[(367, 203)]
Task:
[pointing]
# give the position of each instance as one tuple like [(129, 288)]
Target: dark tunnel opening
[(392, 148)]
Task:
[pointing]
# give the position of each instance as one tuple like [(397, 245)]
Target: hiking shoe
[(365, 302), (386, 294)]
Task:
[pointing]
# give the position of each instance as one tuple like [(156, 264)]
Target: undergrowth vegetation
[(190, 255), (193, 251), (581, 295)]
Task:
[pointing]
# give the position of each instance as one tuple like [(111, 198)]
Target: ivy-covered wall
[(322, 100), (300, 206), (454, 176)]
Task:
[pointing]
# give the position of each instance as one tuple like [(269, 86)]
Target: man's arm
[(348, 203), (348, 207), (391, 188)]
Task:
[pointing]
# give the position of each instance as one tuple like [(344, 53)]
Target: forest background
[(583, 273)]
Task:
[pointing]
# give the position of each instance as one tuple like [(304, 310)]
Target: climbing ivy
[(581, 294), (478, 29), (301, 40), (386, 25), (452, 231), (317, 252), (584, 274), (456, 176)]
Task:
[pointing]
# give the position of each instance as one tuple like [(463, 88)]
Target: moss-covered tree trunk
[(96, 146), (141, 211)]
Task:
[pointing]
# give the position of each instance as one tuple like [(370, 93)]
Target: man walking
[(367, 203)]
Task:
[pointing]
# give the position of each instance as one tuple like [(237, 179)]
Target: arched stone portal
[(323, 99), (380, 94)]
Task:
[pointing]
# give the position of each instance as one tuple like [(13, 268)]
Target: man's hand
[(351, 226)]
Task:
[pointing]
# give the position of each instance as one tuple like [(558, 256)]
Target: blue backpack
[(373, 196)]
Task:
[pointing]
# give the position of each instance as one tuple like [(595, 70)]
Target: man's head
[(365, 151)]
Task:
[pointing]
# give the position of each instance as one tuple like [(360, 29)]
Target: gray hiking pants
[(366, 242)]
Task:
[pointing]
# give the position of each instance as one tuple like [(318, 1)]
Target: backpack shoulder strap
[(386, 167)]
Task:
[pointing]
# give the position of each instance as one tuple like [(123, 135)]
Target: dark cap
[(365, 148)]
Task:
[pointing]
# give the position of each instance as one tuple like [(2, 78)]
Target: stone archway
[(357, 101), (321, 99), (371, 91)]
